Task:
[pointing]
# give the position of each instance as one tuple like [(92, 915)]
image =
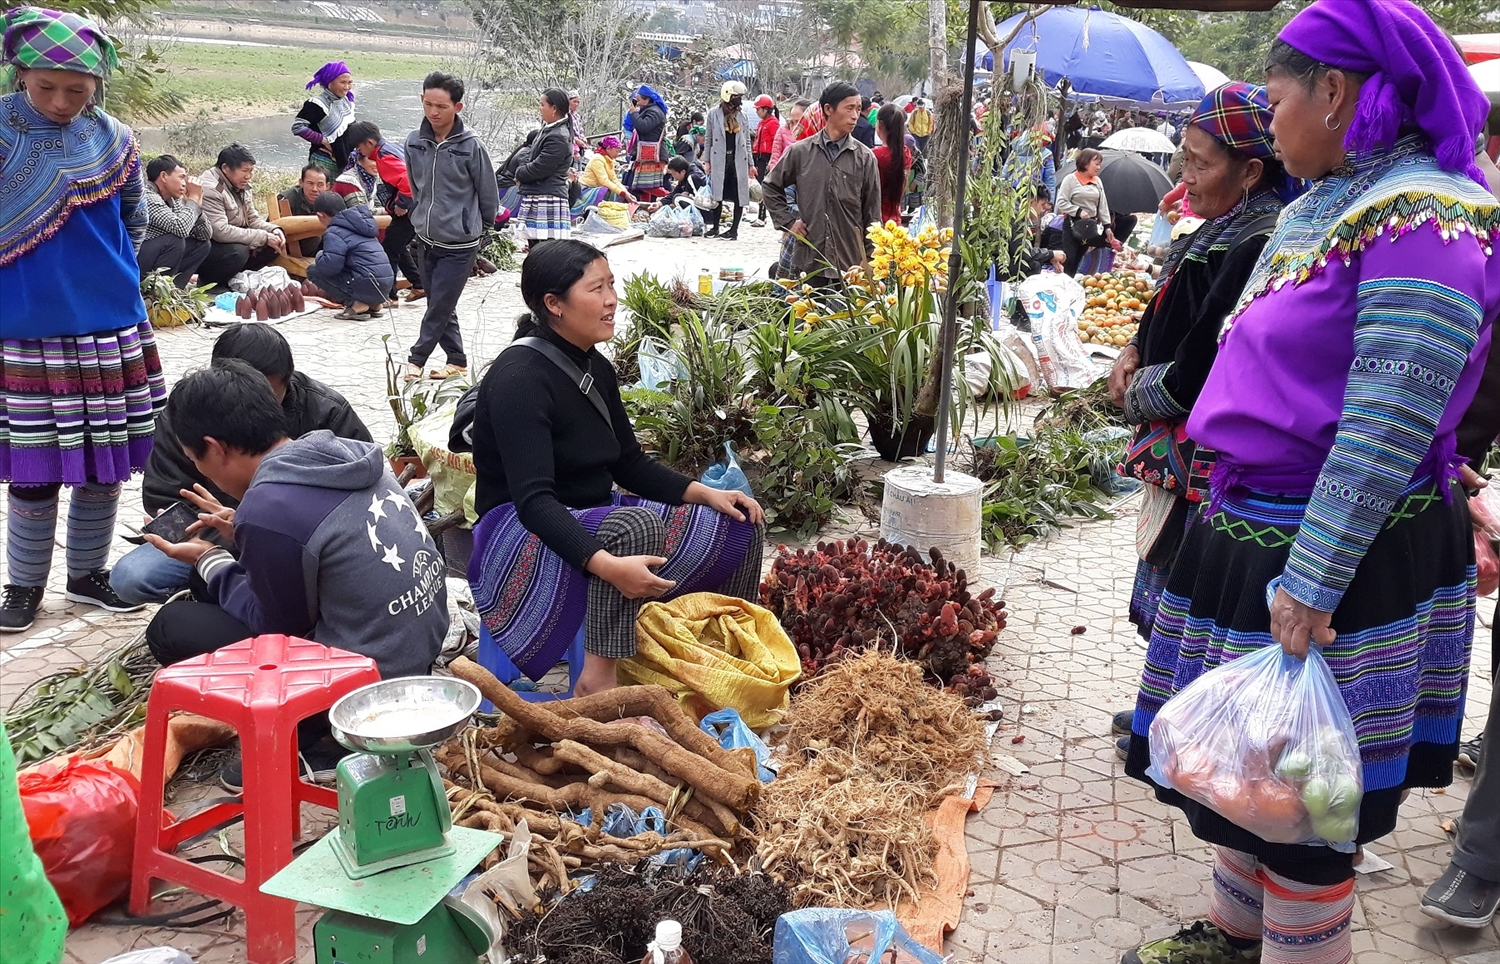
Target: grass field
[(225, 81)]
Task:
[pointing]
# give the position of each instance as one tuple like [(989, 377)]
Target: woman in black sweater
[(557, 547)]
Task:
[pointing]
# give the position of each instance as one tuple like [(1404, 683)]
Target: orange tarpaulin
[(938, 912)]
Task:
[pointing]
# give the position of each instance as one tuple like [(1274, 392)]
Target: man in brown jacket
[(241, 236), (837, 191)]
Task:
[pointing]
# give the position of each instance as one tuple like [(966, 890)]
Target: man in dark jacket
[(352, 266), (144, 575), (454, 199), (325, 545)]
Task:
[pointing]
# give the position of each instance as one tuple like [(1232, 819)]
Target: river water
[(395, 105)]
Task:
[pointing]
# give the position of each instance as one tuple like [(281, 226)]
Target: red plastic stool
[(263, 687)]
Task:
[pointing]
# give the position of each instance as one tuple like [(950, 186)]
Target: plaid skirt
[(546, 217), (78, 408), (533, 603)]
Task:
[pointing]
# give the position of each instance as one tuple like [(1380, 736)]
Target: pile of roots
[(869, 749)]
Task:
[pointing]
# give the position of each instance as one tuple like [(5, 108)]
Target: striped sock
[(28, 542), (1236, 907), (1307, 923), (91, 527)]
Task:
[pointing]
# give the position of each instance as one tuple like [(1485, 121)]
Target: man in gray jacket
[(455, 198)]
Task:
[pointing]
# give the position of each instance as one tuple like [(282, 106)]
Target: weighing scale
[(388, 872)]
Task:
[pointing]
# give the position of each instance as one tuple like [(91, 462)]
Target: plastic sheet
[(715, 652), (1265, 741), (825, 935), (727, 475), (728, 727)]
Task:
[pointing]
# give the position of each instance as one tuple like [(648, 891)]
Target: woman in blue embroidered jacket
[(80, 383), (1238, 187), (1342, 372)]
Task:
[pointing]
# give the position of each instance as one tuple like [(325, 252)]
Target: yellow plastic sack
[(615, 212), (715, 652)]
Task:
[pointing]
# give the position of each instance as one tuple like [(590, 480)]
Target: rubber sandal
[(413, 373), (349, 314), (447, 371)]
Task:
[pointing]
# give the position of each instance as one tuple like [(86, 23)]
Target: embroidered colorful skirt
[(546, 217), (533, 603), (78, 408), (1405, 628), (1145, 595), (648, 178), (588, 197)]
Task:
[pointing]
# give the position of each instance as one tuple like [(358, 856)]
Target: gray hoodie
[(453, 187), (329, 548)]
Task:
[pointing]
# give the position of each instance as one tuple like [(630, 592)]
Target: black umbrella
[(1132, 184)]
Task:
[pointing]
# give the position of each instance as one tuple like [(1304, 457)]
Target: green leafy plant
[(413, 401), (168, 306), (701, 412), (71, 710), (500, 250), (803, 475)]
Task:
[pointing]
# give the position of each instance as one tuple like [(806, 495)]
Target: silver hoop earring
[(1328, 122)]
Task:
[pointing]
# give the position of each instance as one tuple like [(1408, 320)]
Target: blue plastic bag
[(621, 821), (726, 475), (730, 730), (821, 935), (1161, 232), (1266, 742)]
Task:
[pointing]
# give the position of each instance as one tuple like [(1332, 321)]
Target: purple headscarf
[(1415, 76), (328, 73), (609, 142)]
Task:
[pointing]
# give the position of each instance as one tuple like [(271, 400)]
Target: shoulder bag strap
[(1259, 228), (584, 381)]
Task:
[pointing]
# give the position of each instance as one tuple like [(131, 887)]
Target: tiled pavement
[(1071, 861)]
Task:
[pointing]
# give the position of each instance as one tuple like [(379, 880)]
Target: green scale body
[(438, 938), (392, 812)]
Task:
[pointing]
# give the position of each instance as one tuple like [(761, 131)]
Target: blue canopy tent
[(1102, 53)]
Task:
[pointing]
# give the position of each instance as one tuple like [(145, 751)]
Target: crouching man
[(324, 545)]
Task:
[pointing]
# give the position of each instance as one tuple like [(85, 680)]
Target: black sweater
[(540, 443)]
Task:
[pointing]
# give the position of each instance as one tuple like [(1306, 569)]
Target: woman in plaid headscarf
[(80, 383)]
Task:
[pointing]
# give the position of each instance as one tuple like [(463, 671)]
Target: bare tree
[(779, 40), (585, 44)]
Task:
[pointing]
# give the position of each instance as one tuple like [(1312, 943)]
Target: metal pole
[(949, 339)]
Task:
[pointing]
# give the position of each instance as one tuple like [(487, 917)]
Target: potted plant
[(891, 312)]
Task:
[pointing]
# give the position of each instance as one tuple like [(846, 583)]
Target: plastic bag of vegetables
[(1265, 741)]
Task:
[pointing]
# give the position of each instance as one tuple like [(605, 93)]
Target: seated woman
[(598, 180), (557, 547)]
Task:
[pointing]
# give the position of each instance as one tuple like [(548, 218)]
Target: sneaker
[(1199, 943), (1122, 748), (1459, 897), (18, 608), (1121, 722), (93, 588), (1468, 753), (319, 764)]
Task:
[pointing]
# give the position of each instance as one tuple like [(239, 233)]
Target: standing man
[(920, 123), (455, 198), (864, 127), (177, 233), (838, 192)]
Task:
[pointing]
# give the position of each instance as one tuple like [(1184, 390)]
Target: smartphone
[(172, 524)]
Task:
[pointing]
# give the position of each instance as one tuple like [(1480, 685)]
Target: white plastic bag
[(1266, 742), (1054, 302), (704, 199)]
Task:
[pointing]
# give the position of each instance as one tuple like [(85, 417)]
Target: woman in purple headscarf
[(1335, 519), (325, 117)]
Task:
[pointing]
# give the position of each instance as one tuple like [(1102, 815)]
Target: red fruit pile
[(268, 304), (845, 597)]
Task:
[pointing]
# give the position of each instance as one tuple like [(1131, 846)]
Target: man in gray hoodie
[(325, 544), (455, 198)]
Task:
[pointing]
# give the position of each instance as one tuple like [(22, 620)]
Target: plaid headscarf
[(1238, 115), (1414, 76), (37, 39)]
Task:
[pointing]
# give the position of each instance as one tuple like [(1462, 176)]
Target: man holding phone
[(324, 544), (145, 575)]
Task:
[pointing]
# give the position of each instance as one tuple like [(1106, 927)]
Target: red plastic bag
[(82, 819)]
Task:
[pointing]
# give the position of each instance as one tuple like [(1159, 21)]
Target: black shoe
[(712, 232), (1459, 897), (1121, 722), (93, 589), (1122, 748), (732, 236), (319, 764), (18, 608), (1468, 753)]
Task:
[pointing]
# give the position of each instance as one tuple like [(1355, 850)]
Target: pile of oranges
[(1113, 307)]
